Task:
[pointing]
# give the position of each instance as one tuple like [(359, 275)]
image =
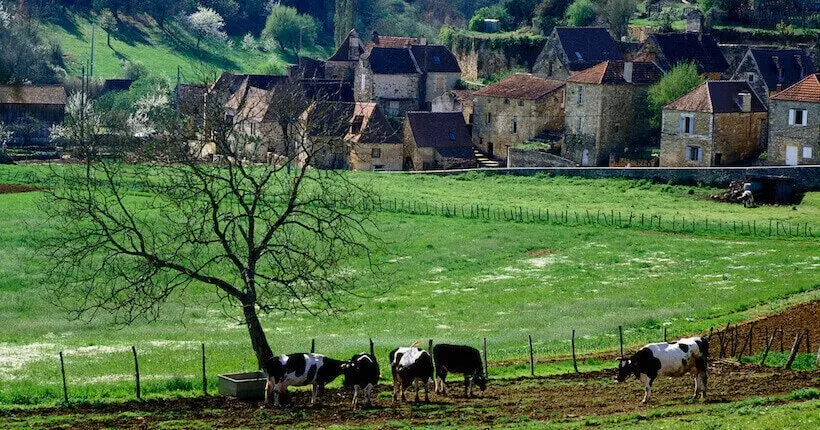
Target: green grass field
[(161, 50), (448, 278)]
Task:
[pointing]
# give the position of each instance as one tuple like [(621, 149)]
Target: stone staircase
[(484, 160)]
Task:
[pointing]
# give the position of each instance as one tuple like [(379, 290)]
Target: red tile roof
[(807, 90), (521, 86), (612, 72)]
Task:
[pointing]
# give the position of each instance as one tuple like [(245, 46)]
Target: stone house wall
[(749, 66), (738, 136), (437, 83), (341, 70), (391, 156), (478, 60), (781, 134), (531, 117), (396, 94), (551, 63), (449, 103), (582, 122), (673, 143)]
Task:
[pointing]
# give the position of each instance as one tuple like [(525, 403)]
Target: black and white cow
[(298, 370), (361, 372), (687, 355), (410, 366), (458, 359)]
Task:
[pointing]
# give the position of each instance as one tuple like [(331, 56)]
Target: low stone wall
[(523, 157), (806, 178)]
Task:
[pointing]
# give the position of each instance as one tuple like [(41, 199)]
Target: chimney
[(375, 37), (694, 21), (354, 45), (744, 100), (423, 41), (798, 59), (628, 67)]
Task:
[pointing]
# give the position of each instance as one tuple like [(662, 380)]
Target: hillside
[(161, 50)]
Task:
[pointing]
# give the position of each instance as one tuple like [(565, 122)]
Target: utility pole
[(176, 90), (93, 30)]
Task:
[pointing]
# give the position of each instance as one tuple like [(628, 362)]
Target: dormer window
[(356, 125), (750, 77), (436, 59), (452, 137), (578, 55)]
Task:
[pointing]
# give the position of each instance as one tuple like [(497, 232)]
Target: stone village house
[(769, 71), (355, 136), (667, 50), (514, 110), (403, 74), (717, 123), (572, 49), (437, 140), (605, 110), (794, 124), (30, 111), (455, 101)]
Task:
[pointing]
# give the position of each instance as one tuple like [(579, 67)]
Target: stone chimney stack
[(422, 41), (694, 21), (745, 101), (628, 67), (353, 52)]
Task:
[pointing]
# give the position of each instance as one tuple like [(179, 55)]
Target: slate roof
[(32, 95), (116, 85), (587, 46), (716, 97), (433, 129), (612, 72), (263, 82), (787, 59), (807, 90), (336, 119), (702, 49), (307, 68), (343, 52), (522, 86), (392, 61), (435, 59)]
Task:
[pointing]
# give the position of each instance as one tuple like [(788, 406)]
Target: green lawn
[(161, 50), (448, 278)]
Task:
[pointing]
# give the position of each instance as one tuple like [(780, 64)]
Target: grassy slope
[(161, 50), (450, 279)]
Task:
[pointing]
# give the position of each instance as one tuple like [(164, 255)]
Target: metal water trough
[(243, 386)]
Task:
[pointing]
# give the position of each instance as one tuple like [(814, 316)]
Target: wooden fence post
[(808, 342), (817, 362), (62, 371), (532, 361), (795, 348), (430, 346), (768, 346), (136, 372), (372, 349), (574, 361), (204, 377), (747, 341), (484, 348), (312, 346), (664, 333), (621, 339)]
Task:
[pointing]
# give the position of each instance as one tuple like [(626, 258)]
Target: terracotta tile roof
[(807, 90), (587, 46), (464, 96), (523, 86), (393, 41), (32, 95), (716, 97), (445, 131), (702, 49), (782, 66), (612, 72)]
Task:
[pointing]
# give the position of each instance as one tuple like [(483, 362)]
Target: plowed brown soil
[(564, 397), (12, 188)]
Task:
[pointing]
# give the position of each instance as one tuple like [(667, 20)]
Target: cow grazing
[(298, 370), (458, 359), (361, 372), (410, 366), (687, 355)]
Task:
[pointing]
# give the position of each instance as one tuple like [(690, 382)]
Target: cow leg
[(268, 390), (368, 391), (355, 396), (314, 394), (470, 390), (647, 387), (426, 388), (396, 385), (468, 385), (416, 386), (704, 377), (696, 379)]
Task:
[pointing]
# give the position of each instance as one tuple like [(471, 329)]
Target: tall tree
[(617, 14), (152, 222), (290, 29), (207, 23), (679, 81), (344, 20)]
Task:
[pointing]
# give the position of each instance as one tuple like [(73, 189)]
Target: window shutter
[(700, 155), (691, 125), (805, 117), (686, 153), (791, 116), (680, 124)]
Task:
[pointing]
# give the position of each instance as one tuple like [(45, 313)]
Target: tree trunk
[(259, 341), (108, 33)]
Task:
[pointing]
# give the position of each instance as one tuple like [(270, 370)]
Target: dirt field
[(11, 189), (559, 398)]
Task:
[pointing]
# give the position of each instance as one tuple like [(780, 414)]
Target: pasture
[(449, 278)]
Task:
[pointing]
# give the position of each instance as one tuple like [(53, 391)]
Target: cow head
[(625, 368), (480, 380)]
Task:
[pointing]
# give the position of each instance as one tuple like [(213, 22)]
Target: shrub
[(580, 13), (489, 12)]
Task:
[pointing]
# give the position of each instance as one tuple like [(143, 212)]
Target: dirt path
[(564, 397)]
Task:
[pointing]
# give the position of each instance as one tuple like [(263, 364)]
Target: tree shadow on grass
[(68, 23), (131, 34), (185, 45)]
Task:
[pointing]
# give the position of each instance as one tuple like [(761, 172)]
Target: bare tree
[(138, 225)]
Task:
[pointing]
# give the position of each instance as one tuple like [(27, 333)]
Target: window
[(489, 117), (521, 103), (393, 108), (578, 55), (515, 125), (580, 95), (439, 84), (750, 77), (686, 124), (506, 101), (378, 167), (436, 59), (580, 125), (806, 152), (797, 117), (452, 137), (356, 125), (694, 153), (376, 153)]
